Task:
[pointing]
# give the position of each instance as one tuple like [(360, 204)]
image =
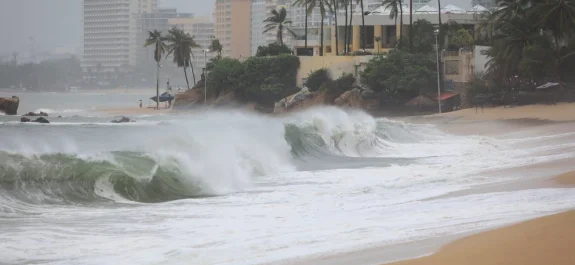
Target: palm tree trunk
[(321, 36), (280, 35), (186, 75), (350, 34), (336, 35), (193, 74), (158, 87), (400, 22), (364, 39), (440, 44), (411, 25), (305, 26), (345, 32)]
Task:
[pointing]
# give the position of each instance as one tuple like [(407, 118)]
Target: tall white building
[(111, 33), (260, 10)]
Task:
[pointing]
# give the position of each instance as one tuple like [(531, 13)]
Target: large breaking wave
[(207, 154)]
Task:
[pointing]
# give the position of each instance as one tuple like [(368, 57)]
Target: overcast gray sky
[(57, 27)]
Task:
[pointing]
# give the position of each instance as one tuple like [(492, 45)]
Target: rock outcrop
[(301, 100), (123, 120), (9, 105), (42, 120), (188, 99), (32, 114), (38, 120), (355, 98)]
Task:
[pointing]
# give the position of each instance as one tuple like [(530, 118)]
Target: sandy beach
[(545, 240)]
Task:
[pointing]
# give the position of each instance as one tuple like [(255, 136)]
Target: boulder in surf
[(24, 119), (40, 114), (9, 105), (122, 120), (42, 120)]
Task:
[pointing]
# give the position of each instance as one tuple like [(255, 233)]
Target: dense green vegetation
[(263, 80), (531, 42), (273, 49), (400, 76)]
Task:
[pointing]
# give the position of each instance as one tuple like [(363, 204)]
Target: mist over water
[(232, 187)]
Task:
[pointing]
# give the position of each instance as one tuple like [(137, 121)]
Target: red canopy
[(446, 95)]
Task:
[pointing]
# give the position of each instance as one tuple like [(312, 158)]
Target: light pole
[(436, 33), (206, 76)]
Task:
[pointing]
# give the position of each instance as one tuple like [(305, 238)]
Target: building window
[(451, 67)]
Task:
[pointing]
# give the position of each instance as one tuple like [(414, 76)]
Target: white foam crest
[(61, 111)]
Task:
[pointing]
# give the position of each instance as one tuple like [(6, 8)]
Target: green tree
[(364, 39), (461, 38), (324, 7), (160, 48), (272, 49), (278, 21), (345, 4), (317, 78), (305, 4), (180, 47), (400, 76), (335, 8), (216, 46)]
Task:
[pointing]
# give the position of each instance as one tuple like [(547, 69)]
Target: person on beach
[(140, 103)]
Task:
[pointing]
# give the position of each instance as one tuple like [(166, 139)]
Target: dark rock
[(9, 105), (42, 120), (122, 120), (24, 119), (32, 114)]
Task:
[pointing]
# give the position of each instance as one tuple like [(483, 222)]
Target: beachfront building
[(110, 40), (489, 4), (232, 20), (260, 10), (378, 24), (202, 29)]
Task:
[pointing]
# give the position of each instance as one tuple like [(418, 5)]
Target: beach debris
[(123, 120), (41, 114), (9, 105)]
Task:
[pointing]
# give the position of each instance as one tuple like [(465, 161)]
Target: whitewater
[(232, 187)]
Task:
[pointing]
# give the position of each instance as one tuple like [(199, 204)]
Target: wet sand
[(546, 240), (559, 112)]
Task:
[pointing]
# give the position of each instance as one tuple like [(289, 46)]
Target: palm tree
[(557, 17), (216, 46), (344, 4), (395, 11), (335, 8), (351, 9), (305, 4), (323, 6), (278, 20), (411, 25), (180, 46), (158, 41), (364, 39)]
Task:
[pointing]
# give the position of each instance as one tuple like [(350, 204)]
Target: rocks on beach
[(123, 120), (9, 105), (40, 114), (38, 120)]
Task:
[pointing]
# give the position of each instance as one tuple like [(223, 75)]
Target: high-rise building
[(489, 4), (260, 10), (202, 29), (232, 20), (110, 33)]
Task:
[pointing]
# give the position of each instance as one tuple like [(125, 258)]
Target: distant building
[(489, 4), (111, 33), (232, 20)]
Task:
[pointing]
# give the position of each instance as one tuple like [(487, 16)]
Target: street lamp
[(206, 76), (436, 33)]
